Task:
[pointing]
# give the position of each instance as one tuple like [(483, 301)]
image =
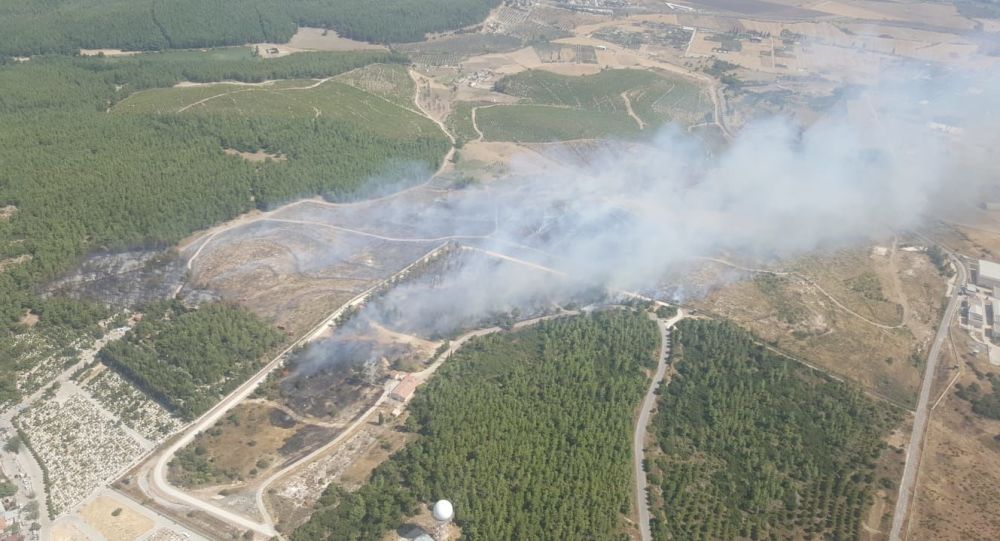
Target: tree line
[(31, 27), (528, 433), (755, 447)]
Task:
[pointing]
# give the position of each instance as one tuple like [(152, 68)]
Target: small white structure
[(443, 513)]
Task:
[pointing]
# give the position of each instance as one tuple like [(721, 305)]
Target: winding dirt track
[(810, 283), (631, 113)]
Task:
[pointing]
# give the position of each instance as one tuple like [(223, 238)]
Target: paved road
[(915, 448), (638, 451)]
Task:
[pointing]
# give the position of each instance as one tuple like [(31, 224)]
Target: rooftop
[(989, 269)]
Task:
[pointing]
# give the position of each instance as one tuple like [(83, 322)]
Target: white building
[(976, 314), (988, 274)]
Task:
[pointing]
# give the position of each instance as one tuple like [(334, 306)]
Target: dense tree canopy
[(189, 359), (757, 447), (528, 433), (82, 179), (29, 27)]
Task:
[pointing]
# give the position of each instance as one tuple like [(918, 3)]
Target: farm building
[(988, 274), (403, 391)]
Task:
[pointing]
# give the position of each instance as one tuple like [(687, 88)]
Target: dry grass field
[(959, 479), (115, 519), (861, 336)]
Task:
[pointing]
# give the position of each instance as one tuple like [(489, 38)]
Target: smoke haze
[(877, 162)]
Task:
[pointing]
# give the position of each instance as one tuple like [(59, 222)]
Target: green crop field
[(459, 122), (389, 81), (568, 107), (598, 92), (543, 123)]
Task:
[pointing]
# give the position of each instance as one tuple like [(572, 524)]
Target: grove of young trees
[(985, 403), (82, 179), (188, 359), (30, 27), (528, 433), (757, 447)]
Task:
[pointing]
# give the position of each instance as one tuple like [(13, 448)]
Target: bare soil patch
[(259, 156), (63, 531), (115, 519), (11, 262), (107, 52), (29, 319), (319, 39), (7, 212)]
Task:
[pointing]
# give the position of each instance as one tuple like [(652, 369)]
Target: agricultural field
[(546, 124), (546, 419), (452, 50), (460, 123), (752, 445), (388, 81), (610, 103)]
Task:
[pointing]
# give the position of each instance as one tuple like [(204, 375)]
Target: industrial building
[(977, 316), (988, 275)]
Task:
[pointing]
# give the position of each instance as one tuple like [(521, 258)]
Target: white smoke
[(633, 212)]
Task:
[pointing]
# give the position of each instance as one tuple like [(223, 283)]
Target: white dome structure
[(423, 537), (443, 511)]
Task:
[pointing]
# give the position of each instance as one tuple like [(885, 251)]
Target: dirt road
[(916, 446), (421, 376), (639, 439), (158, 479), (812, 284), (631, 112)]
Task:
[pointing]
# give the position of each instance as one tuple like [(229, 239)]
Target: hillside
[(37, 26), (543, 417)]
